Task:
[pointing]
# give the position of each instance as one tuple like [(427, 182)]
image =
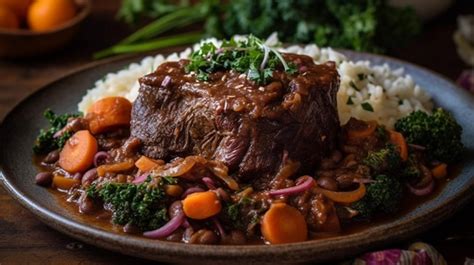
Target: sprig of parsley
[(46, 142), (250, 56)]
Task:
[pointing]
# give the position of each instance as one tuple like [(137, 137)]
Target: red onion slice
[(186, 223), (141, 178), (100, 158), (301, 187), (168, 228), (219, 227), (422, 191), (209, 183), (417, 147), (166, 81), (190, 191)]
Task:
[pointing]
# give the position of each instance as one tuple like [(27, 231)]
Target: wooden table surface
[(25, 240)]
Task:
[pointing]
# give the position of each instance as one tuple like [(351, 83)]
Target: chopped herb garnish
[(169, 180), (353, 85), (367, 107), (349, 101), (361, 77), (250, 56)]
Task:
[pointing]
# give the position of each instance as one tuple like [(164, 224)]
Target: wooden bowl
[(20, 43)]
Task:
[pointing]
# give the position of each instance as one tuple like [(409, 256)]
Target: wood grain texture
[(25, 240)]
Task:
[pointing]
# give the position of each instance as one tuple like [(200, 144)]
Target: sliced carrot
[(344, 196), (114, 168), (64, 183), (201, 205), (283, 224), (359, 133), (78, 153), (440, 171), (398, 140), (146, 164), (109, 113)]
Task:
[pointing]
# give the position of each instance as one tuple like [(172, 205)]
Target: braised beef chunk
[(253, 129)]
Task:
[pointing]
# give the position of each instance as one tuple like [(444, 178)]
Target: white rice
[(389, 92)]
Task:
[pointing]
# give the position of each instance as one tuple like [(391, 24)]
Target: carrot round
[(344, 196), (145, 164), (283, 224), (398, 140), (440, 171), (64, 183), (78, 153), (201, 205), (109, 113)]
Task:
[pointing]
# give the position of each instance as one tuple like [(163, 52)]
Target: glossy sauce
[(101, 219)]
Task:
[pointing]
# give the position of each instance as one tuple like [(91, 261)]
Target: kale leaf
[(141, 205), (46, 142)]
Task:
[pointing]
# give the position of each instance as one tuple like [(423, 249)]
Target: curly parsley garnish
[(250, 56)]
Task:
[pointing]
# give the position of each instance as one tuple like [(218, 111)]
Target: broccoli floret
[(384, 160), (439, 133), (383, 195), (46, 142), (141, 205)]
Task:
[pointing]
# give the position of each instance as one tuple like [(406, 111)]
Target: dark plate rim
[(301, 251)]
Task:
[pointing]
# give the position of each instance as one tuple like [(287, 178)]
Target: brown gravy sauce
[(101, 219)]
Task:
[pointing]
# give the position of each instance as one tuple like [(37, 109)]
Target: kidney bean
[(89, 176), (345, 181), (327, 183), (204, 236), (175, 208), (223, 195), (86, 205), (44, 178), (327, 163), (235, 237), (52, 157), (177, 235)]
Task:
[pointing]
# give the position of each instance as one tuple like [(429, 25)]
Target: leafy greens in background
[(363, 25)]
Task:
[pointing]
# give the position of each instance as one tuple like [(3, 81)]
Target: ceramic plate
[(20, 127)]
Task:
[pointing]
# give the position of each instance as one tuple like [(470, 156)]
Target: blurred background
[(42, 40)]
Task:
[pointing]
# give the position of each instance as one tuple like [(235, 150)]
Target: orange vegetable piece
[(398, 140), (283, 224), (344, 196), (114, 168), (354, 134), (8, 19), (201, 205), (49, 14), (78, 152), (19, 7), (440, 171), (146, 164), (64, 183), (173, 190), (108, 114)]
